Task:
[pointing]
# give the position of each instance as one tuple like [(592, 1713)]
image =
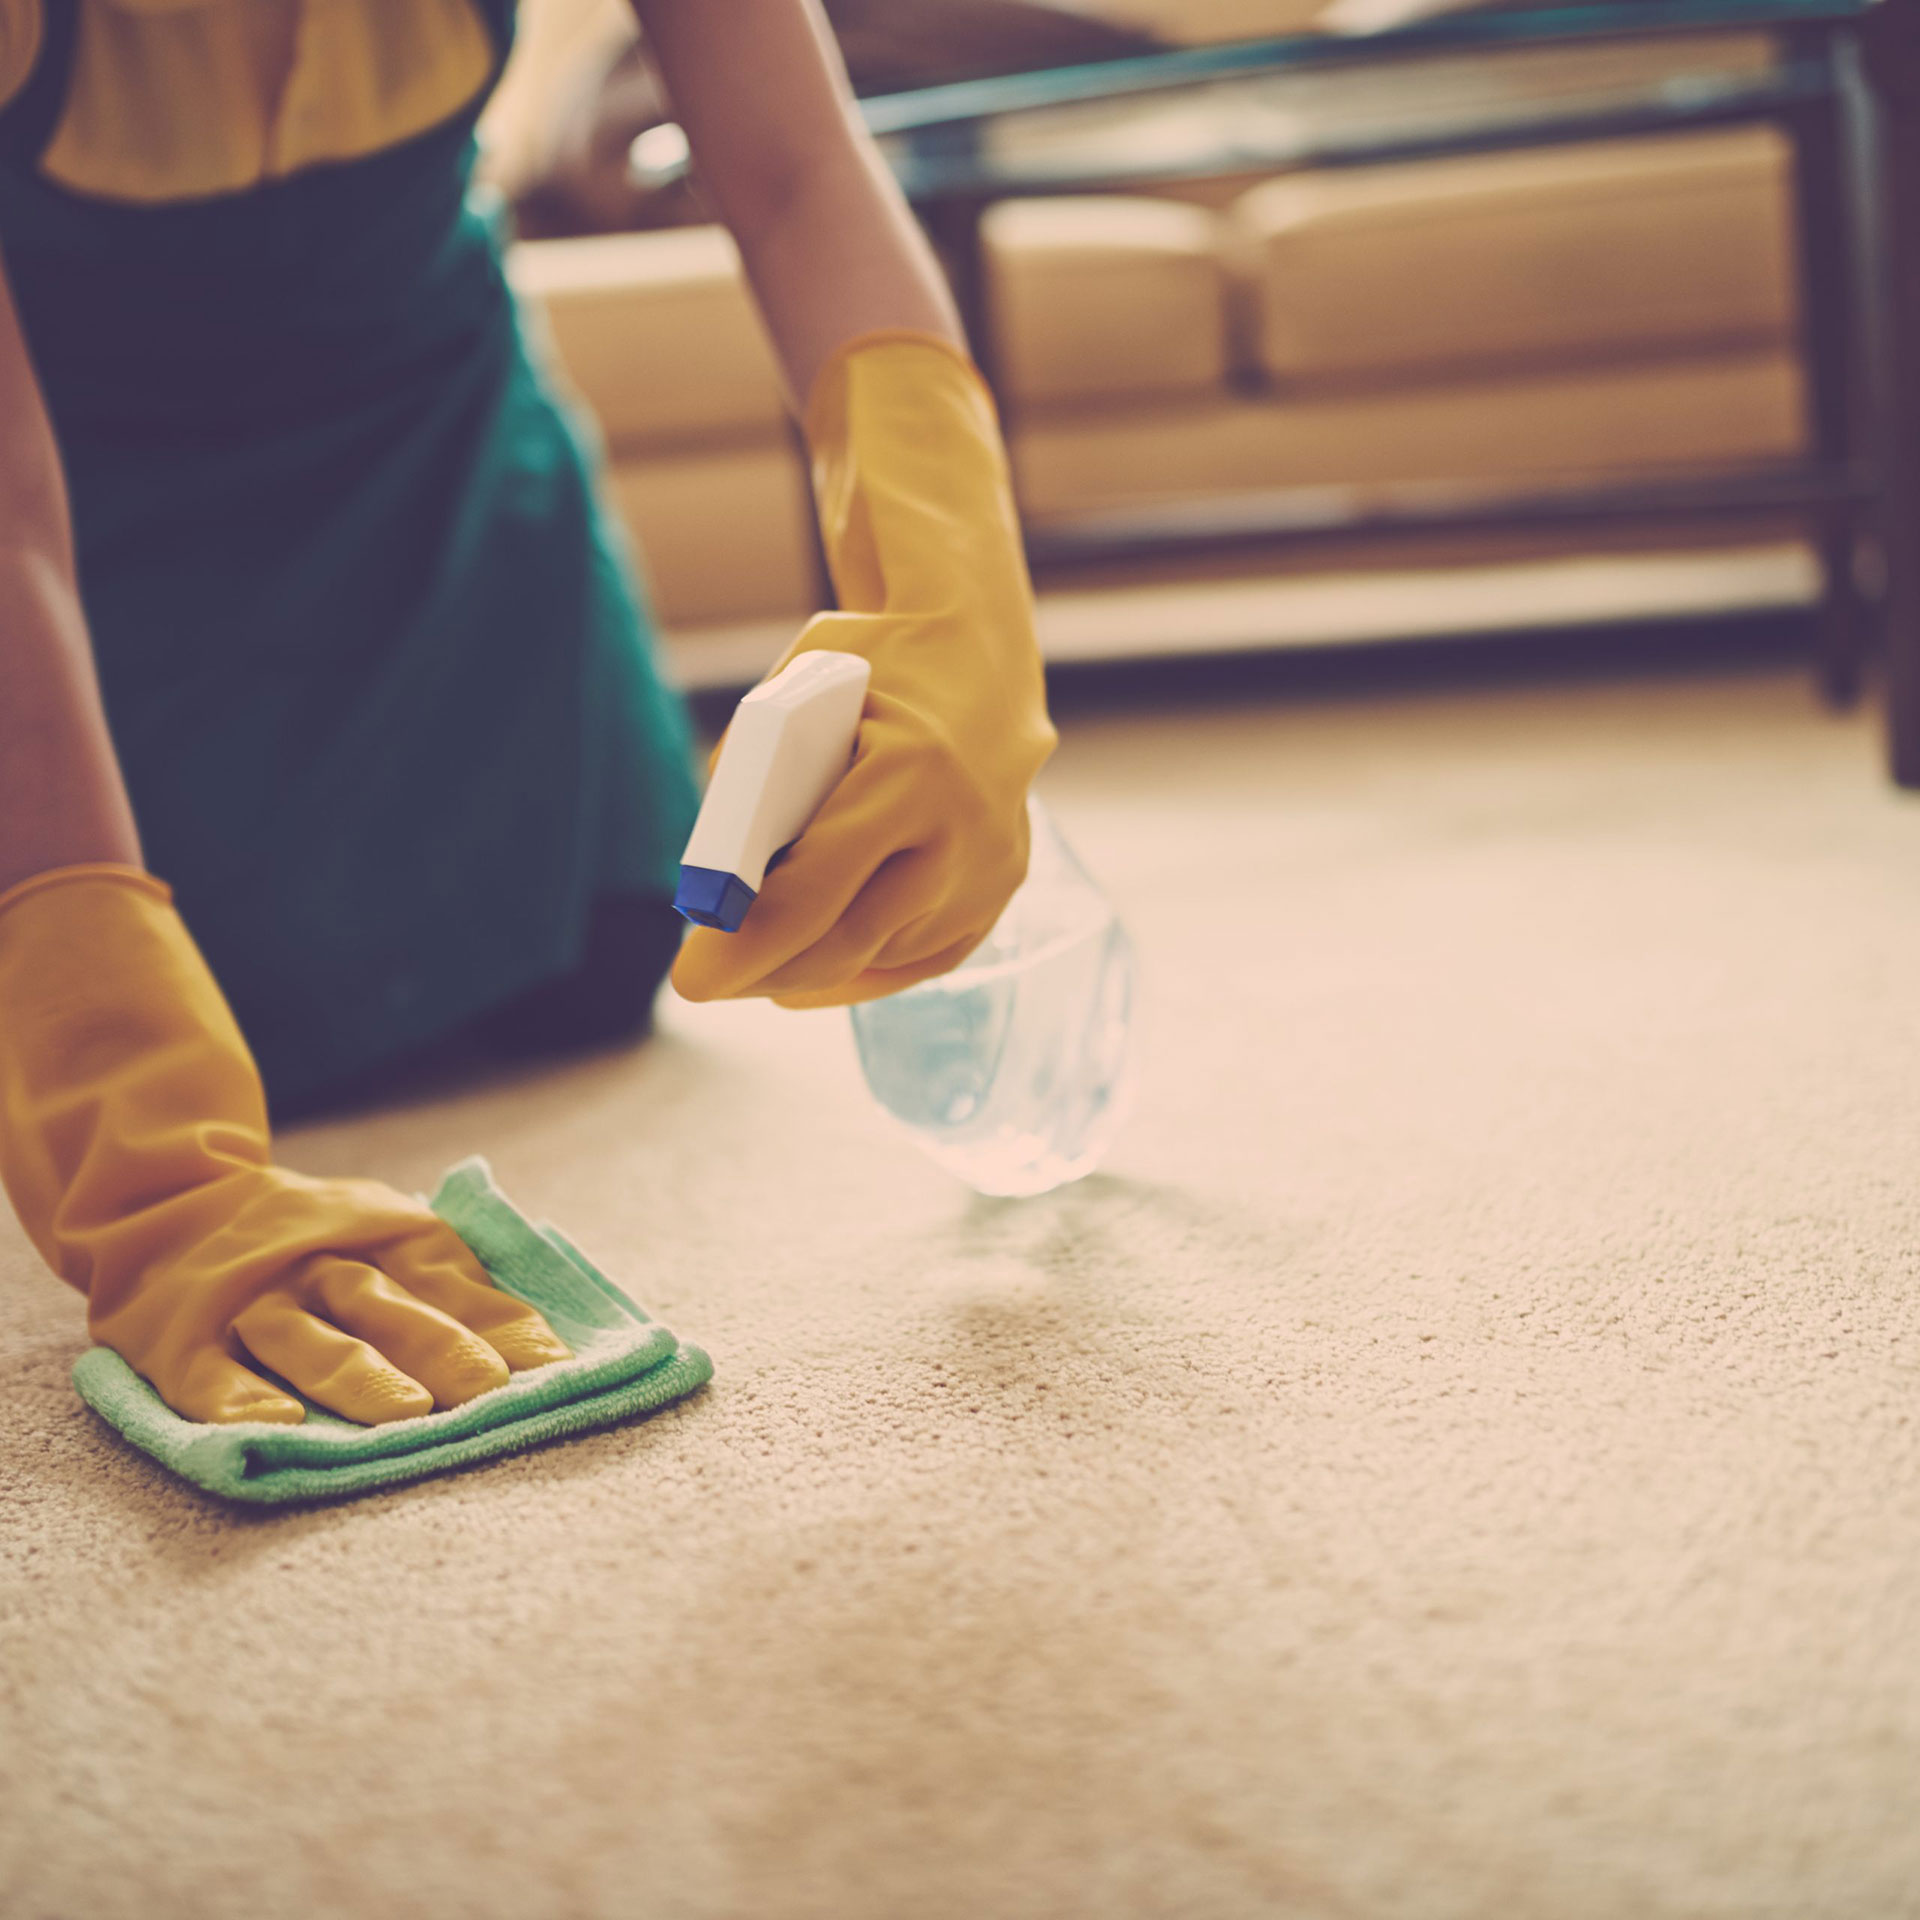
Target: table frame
[(1845, 90)]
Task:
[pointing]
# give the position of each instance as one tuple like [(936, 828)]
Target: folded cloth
[(623, 1364)]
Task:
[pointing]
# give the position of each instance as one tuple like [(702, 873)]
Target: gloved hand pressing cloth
[(134, 1146)]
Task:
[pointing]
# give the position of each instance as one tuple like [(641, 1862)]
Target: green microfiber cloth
[(623, 1364)]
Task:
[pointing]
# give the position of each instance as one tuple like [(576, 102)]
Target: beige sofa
[(1584, 310)]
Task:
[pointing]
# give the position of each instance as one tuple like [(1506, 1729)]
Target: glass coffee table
[(1843, 86)]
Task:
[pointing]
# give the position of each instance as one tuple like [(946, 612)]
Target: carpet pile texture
[(1462, 1458)]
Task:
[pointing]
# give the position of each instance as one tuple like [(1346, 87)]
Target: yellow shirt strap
[(167, 100)]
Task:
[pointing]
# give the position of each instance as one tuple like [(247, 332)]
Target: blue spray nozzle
[(710, 898)]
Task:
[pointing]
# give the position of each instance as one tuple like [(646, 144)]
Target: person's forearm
[(61, 798), (62, 803), (827, 240), (841, 257)]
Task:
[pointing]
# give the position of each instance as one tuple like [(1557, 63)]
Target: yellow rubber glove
[(906, 866), (133, 1144)]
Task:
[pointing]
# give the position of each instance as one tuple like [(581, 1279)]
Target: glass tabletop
[(1474, 76)]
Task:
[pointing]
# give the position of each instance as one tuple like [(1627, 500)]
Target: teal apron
[(372, 652)]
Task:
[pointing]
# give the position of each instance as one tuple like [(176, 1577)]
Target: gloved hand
[(133, 1144), (906, 866)]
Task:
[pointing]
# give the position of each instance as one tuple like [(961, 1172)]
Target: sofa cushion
[(1553, 257), (657, 332), (1607, 420), (1102, 295), (722, 536)]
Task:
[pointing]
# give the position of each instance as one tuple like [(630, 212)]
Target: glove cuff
[(101, 870), (123, 1075), (824, 400)]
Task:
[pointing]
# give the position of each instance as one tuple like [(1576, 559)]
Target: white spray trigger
[(786, 750)]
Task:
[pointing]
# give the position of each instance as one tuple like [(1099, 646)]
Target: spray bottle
[(1014, 1071)]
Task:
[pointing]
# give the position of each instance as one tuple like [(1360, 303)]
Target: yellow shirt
[(180, 99)]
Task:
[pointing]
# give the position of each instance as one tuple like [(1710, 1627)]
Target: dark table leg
[(1891, 44), (953, 225), (1825, 236)]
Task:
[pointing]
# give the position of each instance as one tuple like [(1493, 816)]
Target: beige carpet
[(1462, 1460)]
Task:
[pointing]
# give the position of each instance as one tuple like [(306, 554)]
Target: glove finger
[(452, 1362), (450, 1280), (340, 1373), (876, 983), (905, 892), (996, 867), (894, 936), (217, 1388), (427, 1242), (863, 825), (932, 935)]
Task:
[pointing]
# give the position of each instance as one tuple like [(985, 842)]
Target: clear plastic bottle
[(1014, 1071)]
